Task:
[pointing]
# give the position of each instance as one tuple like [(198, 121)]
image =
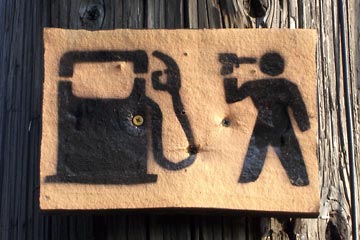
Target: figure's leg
[(289, 152), (255, 156)]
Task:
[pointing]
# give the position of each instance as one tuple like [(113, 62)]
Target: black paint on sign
[(105, 141), (98, 142), (68, 60), (273, 127)]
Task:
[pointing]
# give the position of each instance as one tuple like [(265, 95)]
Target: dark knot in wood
[(91, 15), (256, 8)]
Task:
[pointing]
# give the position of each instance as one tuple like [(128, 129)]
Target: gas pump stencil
[(104, 141)]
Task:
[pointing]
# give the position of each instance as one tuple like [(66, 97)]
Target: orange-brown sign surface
[(222, 119)]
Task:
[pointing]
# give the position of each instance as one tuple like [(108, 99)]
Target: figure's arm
[(232, 92), (299, 108)]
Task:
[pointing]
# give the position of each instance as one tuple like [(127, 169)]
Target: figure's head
[(272, 64)]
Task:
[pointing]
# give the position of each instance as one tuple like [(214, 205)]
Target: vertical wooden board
[(36, 225), (137, 227)]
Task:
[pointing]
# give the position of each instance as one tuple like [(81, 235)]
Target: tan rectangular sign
[(222, 119)]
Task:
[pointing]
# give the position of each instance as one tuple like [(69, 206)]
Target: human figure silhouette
[(272, 97)]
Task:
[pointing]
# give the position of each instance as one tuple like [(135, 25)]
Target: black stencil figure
[(105, 141), (272, 97)]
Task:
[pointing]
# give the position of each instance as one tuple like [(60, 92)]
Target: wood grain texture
[(21, 75)]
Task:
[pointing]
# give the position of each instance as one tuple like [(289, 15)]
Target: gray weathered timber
[(21, 77)]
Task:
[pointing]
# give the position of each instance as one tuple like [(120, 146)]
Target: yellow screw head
[(138, 120)]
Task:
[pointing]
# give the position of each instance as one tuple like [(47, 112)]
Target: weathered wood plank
[(21, 73)]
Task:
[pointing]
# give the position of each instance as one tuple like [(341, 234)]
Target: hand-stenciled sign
[(180, 118)]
